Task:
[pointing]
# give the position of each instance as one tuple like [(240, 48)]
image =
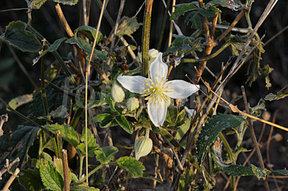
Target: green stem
[(191, 60), (92, 172), (43, 92), (81, 166), (146, 36), (227, 146)]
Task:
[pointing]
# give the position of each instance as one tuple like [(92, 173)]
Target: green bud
[(153, 53), (143, 146), (117, 93), (132, 104)]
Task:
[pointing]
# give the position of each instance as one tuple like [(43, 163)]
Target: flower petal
[(158, 69), (179, 89), (135, 84), (157, 112)]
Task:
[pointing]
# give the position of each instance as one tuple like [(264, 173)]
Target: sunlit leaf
[(67, 132), (124, 123), (134, 167), (51, 179), (91, 142), (67, 2), (127, 26), (106, 154), (20, 100)]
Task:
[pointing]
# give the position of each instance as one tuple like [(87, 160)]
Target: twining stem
[(146, 36), (87, 72)]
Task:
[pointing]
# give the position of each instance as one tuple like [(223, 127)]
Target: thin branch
[(11, 179), (63, 20), (87, 73), (250, 125)]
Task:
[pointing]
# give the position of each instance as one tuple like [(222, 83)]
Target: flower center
[(155, 91)]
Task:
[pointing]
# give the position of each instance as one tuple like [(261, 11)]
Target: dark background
[(13, 82)]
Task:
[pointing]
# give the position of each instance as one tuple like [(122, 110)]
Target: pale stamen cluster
[(155, 92)]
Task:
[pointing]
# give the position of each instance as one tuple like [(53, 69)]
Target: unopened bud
[(153, 53), (143, 146), (117, 93), (132, 104)]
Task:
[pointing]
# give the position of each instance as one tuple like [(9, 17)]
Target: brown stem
[(11, 179), (250, 125), (64, 21), (66, 170), (236, 20)]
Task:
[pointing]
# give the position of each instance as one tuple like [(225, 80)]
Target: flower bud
[(132, 104), (153, 53), (117, 93), (143, 146)]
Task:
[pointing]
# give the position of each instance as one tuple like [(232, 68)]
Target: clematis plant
[(157, 89)]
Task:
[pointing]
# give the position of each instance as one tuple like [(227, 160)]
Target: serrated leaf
[(30, 179), (134, 167), (17, 36), (106, 154), (51, 179), (181, 9), (224, 3), (211, 130), (67, 2), (89, 32), (123, 122), (194, 19), (237, 170), (185, 45), (92, 145), (127, 26), (67, 132), (18, 143)]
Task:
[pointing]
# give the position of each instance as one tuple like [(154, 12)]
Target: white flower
[(157, 89)]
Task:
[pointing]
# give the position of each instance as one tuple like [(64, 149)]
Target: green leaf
[(18, 143), (183, 129), (67, 132), (194, 19), (131, 165), (185, 44), (30, 179), (51, 179), (211, 130), (17, 36), (92, 145), (224, 3), (122, 121), (279, 95), (237, 170), (83, 187), (127, 26), (67, 2), (106, 154), (89, 32), (83, 44), (280, 172), (180, 9), (105, 119)]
